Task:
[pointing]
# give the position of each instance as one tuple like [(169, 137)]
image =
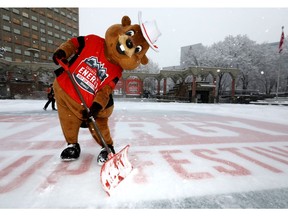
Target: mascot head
[(126, 45)]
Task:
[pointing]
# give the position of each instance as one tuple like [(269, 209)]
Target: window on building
[(5, 17), (26, 43), (27, 53), (24, 14), (6, 38), (49, 15), (34, 36), (41, 11), (15, 11), (16, 21), (6, 28), (17, 40), (18, 60), (49, 49), (25, 24), (18, 50), (26, 34), (8, 49), (16, 31), (7, 58), (34, 27), (34, 18)]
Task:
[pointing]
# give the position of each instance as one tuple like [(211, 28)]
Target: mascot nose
[(129, 43)]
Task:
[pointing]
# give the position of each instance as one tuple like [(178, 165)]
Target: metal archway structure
[(176, 74)]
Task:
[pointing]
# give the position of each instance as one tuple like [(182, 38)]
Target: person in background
[(50, 96)]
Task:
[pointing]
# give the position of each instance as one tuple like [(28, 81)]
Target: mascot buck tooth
[(96, 65)]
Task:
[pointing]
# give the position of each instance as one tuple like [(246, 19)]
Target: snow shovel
[(117, 167)]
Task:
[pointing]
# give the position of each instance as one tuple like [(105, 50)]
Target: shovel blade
[(115, 170)]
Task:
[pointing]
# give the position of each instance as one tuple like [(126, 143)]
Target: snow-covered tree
[(237, 52), (194, 55), (266, 58)]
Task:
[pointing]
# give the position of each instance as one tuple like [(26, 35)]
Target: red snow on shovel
[(117, 167), (115, 170)]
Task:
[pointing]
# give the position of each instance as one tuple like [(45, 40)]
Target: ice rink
[(192, 156)]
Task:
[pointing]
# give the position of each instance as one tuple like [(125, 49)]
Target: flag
[(281, 40)]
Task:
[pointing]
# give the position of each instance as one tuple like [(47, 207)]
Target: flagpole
[(278, 79), (280, 50)]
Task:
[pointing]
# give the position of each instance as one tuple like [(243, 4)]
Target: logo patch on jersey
[(90, 73)]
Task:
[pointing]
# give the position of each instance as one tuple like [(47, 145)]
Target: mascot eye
[(130, 33), (138, 49)]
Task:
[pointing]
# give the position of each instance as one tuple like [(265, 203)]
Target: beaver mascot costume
[(96, 65)]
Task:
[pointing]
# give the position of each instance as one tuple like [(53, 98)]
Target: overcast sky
[(181, 23), (188, 26)]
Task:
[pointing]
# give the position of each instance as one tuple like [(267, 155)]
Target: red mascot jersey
[(90, 69)]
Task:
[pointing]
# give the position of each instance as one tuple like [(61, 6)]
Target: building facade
[(33, 34), (28, 39)]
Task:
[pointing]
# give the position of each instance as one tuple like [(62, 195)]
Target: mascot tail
[(117, 167)]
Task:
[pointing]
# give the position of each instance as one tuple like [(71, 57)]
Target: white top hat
[(150, 31)]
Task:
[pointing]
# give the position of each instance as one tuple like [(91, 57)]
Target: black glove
[(93, 110), (60, 55)]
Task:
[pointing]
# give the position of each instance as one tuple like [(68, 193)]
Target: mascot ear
[(126, 21), (144, 60)]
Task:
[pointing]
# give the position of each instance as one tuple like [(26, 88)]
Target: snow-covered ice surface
[(185, 155)]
